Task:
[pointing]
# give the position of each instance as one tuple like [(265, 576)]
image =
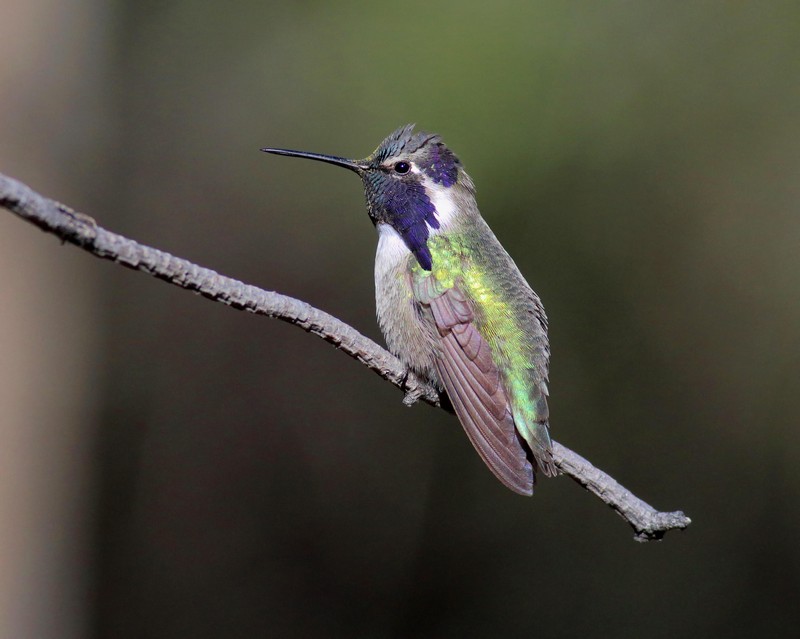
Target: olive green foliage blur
[(638, 160)]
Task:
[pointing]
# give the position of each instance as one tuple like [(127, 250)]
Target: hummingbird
[(451, 303)]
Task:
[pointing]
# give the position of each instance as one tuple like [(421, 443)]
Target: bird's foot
[(412, 394)]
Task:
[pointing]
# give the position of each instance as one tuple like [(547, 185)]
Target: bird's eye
[(402, 167)]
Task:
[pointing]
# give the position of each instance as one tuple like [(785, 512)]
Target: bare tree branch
[(81, 230)]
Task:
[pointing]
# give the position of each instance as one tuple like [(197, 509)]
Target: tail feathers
[(537, 444)]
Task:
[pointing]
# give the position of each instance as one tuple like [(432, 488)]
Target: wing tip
[(524, 490)]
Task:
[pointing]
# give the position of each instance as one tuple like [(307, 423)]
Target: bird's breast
[(407, 335)]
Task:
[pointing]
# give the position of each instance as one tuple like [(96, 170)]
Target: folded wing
[(474, 386)]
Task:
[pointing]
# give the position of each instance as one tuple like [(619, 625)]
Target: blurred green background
[(172, 468)]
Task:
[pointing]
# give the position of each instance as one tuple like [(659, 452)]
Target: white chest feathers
[(406, 335), (392, 252)]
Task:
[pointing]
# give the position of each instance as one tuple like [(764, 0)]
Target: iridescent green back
[(510, 318)]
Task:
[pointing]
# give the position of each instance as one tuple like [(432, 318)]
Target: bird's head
[(410, 181)]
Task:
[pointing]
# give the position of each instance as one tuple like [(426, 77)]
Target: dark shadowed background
[(172, 468)]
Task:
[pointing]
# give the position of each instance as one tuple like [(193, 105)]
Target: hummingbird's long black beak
[(330, 159)]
